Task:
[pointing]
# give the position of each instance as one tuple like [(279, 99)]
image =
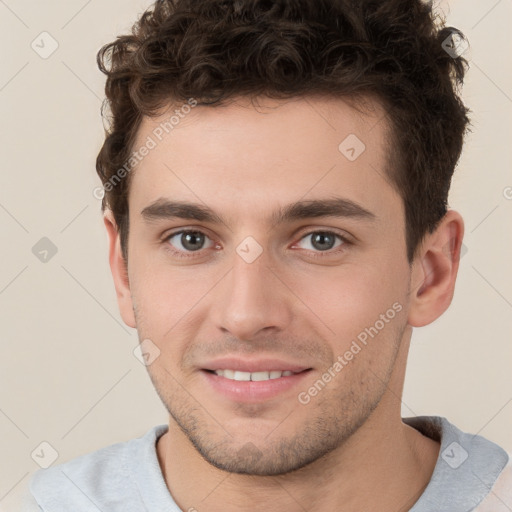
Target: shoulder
[(471, 472), (105, 477)]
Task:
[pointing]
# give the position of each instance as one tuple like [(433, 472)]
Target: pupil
[(321, 238), (188, 239)]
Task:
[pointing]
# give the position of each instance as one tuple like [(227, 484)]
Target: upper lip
[(253, 365)]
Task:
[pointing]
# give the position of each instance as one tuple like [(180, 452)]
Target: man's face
[(253, 293)]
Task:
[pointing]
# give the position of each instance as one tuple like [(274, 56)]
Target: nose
[(252, 298)]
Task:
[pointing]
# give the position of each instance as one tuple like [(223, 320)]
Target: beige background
[(68, 373)]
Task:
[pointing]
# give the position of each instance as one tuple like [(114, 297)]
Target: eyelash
[(315, 254)]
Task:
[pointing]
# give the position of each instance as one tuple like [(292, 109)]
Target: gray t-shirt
[(471, 474)]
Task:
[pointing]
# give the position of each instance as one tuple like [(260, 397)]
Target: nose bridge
[(251, 298)]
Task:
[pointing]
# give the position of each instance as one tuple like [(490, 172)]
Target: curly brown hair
[(214, 50)]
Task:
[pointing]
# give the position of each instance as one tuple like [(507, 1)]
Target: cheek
[(352, 299), (167, 298)]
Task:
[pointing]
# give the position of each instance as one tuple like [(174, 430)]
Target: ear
[(119, 270), (434, 271)]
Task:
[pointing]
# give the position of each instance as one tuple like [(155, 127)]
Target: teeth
[(254, 376), (259, 376)]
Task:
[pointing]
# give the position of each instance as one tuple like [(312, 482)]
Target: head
[(289, 125)]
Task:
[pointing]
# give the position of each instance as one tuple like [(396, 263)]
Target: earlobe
[(119, 271), (435, 271)]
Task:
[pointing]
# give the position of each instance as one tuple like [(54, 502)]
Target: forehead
[(242, 156)]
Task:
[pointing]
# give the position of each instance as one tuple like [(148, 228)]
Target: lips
[(256, 380)]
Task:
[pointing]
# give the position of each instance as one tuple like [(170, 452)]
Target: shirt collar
[(466, 469)]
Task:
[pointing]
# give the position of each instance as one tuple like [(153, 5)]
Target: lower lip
[(253, 391)]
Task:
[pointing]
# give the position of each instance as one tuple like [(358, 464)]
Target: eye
[(188, 241), (324, 241)]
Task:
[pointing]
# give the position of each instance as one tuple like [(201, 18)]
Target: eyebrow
[(164, 209)]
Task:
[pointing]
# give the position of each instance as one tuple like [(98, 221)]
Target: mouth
[(253, 382)]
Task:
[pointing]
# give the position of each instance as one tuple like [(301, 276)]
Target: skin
[(347, 449)]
